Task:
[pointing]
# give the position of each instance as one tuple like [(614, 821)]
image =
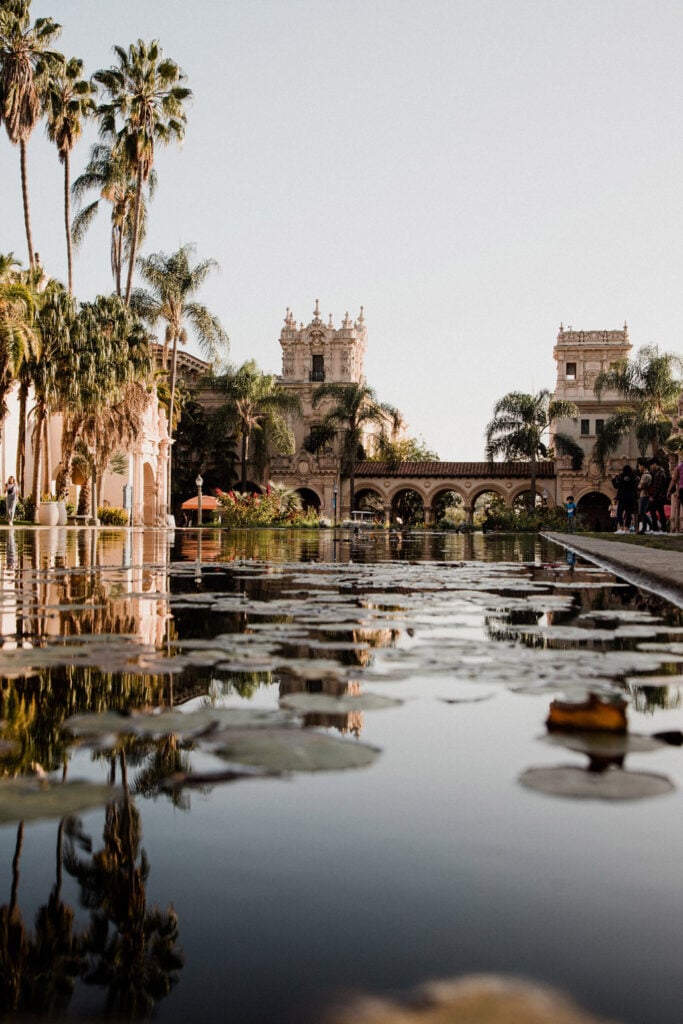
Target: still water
[(353, 788)]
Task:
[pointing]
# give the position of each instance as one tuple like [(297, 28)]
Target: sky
[(472, 172)]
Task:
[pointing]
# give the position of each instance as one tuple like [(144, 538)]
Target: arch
[(149, 495), (447, 507), (593, 507), (408, 505), (544, 499), (487, 488), (309, 498), (369, 499)]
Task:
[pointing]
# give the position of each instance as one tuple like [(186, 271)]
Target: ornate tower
[(320, 352)]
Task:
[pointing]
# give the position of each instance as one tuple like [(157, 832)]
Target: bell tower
[(321, 353)]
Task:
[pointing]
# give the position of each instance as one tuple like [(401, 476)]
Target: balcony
[(316, 376)]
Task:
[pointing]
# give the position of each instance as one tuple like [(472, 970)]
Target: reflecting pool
[(243, 774)]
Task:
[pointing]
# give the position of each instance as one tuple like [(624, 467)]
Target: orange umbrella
[(208, 503)]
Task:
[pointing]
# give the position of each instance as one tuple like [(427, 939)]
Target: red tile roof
[(544, 470)]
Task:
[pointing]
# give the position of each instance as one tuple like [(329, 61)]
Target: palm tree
[(19, 336), (173, 283), (651, 390), (68, 101), (520, 422), (355, 409), (24, 57), (108, 173), (256, 410), (56, 317), (106, 371), (145, 90)]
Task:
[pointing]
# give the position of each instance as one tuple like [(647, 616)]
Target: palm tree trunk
[(67, 220), (171, 409), (245, 452), (24, 194), (37, 447), (21, 440), (352, 488), (134, 239), (117, 255), (532, 500), (47, 461)]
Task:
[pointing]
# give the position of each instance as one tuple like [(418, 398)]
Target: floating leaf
[(612, 784), (324, 703), (32, 799), (292, 750)]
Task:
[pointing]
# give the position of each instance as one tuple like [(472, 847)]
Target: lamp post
[(199, 483), (335, 492)]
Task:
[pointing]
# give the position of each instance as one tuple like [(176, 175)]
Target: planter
[(48, 513), (61, 513)]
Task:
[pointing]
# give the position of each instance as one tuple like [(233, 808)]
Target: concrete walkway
[(654, 569)]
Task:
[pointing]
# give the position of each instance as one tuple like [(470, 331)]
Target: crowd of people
[(643, 496)]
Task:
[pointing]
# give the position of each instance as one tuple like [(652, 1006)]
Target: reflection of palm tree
[(129, 949), (13, 939)]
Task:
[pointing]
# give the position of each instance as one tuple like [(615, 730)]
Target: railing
[(316, 376)]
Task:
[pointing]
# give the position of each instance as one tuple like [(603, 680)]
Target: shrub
[(112, 515)]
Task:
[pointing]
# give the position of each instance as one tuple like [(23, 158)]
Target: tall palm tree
[(108, 173), (56, 316), (19, 335), (520, 423), (68, 101), (650, 386), (173, 284), (256, 409), (145, 91), (355, 408), (24, 57)]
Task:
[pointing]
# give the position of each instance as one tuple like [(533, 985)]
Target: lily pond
[(247, 775)]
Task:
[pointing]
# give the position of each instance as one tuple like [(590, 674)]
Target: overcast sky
[(472, 172)]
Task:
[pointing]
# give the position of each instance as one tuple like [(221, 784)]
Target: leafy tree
[(519, 425), (68, 101), (650, 388), (24, 57), (108, 174), (173, 284), (256, 410), (146, 93), (354, 409), (410, 449)]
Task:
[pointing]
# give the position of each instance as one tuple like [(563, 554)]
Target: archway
[(593, 509), (408, 507), (448, 509), (370, 500), (309, 499), (149, 496)]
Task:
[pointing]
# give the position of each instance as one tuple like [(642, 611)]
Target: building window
[(318, 368), (318, 441), (585, 427), (570, 371), (599, 424)]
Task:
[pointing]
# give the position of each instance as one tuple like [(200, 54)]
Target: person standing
[(11, 496), (626, 487), (658, 496), (644, 495), (675, 492), (570, 508)]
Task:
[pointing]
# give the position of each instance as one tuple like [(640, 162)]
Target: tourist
[(675, 492), (613, 509), (644, 495), (11, 499), (658, 496), (626, 487), (570, 508)]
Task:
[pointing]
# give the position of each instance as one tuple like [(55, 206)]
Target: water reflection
[(412, 657)]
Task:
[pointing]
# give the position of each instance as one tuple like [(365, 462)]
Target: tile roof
[(490, 470)]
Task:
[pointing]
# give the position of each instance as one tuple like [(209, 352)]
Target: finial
[(316, 311), (625, 327), (288, 315), (561, 328), (361, 318), (330, 324)]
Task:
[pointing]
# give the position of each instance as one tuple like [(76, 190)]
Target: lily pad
[(612, 784), (322, 703), (292, 750), (35, 799)]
